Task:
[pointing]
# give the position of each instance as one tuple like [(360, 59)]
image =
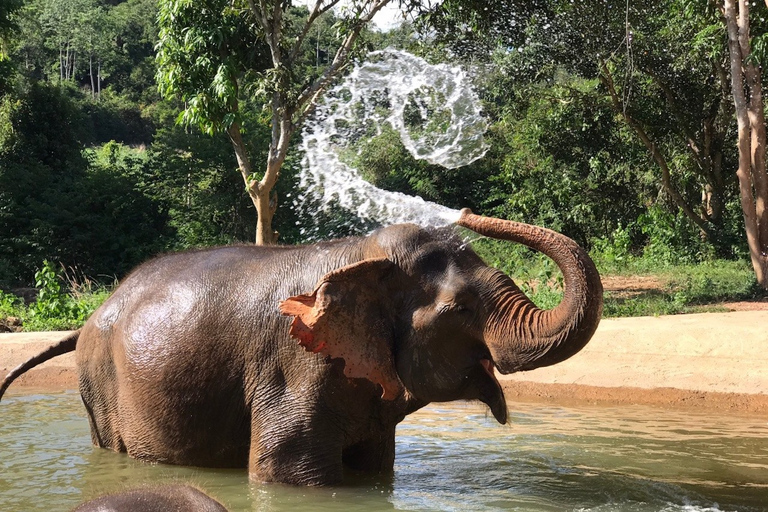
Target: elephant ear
[(345, 318)]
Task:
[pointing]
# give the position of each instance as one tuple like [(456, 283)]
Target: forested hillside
[(614, 125)]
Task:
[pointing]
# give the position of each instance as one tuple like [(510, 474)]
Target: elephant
[(162, 498), (297, 362)]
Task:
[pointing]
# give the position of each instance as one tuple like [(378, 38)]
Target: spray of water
[(433, 109)]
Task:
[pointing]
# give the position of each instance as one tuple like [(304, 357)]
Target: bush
[(115, 118), (58, 205), (685, 288), (672, 239), (54, 309), (714, 281), (613, 251)]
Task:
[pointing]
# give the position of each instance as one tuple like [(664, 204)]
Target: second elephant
[(162, 498)]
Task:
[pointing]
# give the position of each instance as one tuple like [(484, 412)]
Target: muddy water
[(449, 457)]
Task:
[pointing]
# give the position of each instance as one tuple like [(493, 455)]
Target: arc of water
[(432, 107)]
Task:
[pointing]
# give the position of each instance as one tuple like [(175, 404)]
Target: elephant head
[(424, 317)]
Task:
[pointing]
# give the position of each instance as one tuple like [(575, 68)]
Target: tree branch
[(243, 162), (307, 100), (607, 79), (317, 11), (681, 121), (272, 26), (260, 13)]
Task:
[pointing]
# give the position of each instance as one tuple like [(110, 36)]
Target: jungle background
[(610, 122)]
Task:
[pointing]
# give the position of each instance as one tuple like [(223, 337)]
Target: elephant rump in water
[(163, 498), (296, 362)]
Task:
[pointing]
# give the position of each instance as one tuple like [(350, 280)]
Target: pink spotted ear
[(344, 318)]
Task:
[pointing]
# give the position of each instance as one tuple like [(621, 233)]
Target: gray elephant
[(297, 362), (163, 498)]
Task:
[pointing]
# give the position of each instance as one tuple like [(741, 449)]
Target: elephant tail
[(64, 346)]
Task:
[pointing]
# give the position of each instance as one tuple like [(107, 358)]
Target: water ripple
[(449, 457)]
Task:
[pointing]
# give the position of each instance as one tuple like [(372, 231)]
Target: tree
[(61, 21), (131, 65), (746, 86), (8, 27), (213, 52), (94, 43), (75, 34), (664, 75)]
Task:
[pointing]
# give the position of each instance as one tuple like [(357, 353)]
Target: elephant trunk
[(521, 336)]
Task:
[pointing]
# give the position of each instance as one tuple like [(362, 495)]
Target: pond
[(449, 457)]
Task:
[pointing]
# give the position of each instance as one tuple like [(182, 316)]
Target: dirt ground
[(703, 360), (706, 361), (625, 287)]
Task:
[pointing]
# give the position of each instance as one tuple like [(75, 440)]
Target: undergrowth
[(63, 302), (688, 288), (682, 287)]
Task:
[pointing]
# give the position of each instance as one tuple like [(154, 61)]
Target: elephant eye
[(453, 307)]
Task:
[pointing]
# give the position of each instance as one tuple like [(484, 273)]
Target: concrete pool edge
[(669, 398), (707, 360)]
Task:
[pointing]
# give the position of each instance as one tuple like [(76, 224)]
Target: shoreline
[(666, 398), (706, 361)]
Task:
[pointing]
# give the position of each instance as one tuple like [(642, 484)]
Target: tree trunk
[(606, 78), (66, 63), (266, 204), (287, 115), (90, 73), (753, 181), (243, 161), (266, 200), (260, 192), (61, 62)]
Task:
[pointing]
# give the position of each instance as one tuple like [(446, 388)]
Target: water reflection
[(450, 457)]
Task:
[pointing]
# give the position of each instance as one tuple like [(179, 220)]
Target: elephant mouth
[(491, 393), (487, 365)]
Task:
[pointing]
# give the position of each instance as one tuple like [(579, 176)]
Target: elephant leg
[(99, 392), (293, 452), (375, 454)]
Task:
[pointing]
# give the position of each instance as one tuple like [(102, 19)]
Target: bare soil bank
[(706, 361)]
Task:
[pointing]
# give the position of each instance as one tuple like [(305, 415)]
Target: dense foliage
[(96, 175)]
